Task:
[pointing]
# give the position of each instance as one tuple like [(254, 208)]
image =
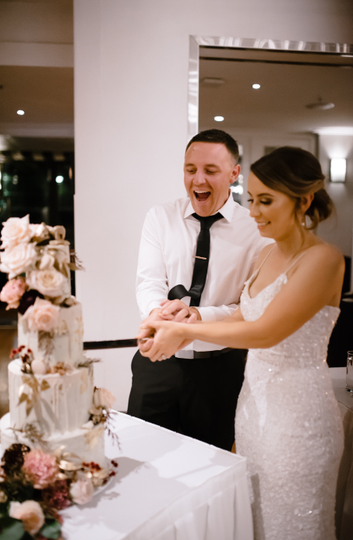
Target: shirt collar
[(227, 209)]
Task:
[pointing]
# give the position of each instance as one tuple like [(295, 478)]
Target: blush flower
[(49, 282), (16, 230), (12, 292), (30, 513), (82, 491), (42, 315), (16, 260), (40, 468)]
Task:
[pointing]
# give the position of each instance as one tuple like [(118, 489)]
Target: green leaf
[(12, 529), (51, 529)]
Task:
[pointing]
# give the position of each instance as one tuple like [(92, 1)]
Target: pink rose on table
[(16, 230), (18, 259), (40, 468), (82, 491), (42, 315), (30, 513), (12, 292), (49, 282), (103, 398)]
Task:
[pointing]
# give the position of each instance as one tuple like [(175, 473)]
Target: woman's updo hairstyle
[(296, 173)]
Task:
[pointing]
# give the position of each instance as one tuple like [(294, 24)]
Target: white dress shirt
[(166, 258)]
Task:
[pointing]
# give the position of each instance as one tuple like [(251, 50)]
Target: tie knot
[(208, 221)]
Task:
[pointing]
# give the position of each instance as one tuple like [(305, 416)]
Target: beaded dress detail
[(289, 427)]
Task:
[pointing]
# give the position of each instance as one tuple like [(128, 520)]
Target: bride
[(288, 425)]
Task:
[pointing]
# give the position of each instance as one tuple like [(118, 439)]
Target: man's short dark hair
[(217, 136)]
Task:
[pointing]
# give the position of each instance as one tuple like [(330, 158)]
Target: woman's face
[(273, 211)]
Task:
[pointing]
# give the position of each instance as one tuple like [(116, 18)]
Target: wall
[(131, 62)]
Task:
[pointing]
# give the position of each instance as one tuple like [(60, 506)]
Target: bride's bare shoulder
[(324, 255)]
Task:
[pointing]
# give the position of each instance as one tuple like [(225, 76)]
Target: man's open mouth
[(202, 195)]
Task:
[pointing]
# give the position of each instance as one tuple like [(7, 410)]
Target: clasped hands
[(160, 336)]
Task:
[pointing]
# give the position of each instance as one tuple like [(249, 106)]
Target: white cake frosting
[(56, 405), (67, 338), (74, 442), (61, 406)]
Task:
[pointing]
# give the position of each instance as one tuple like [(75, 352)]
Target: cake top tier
[(37, 261)]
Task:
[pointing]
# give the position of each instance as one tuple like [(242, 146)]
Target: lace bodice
[(306, 345)]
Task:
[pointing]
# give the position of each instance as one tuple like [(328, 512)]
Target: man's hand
[(170, 310), (177, 311)]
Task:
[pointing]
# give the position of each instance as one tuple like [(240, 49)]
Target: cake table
[(168, 487)]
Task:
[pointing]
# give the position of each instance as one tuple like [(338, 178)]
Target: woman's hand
[(167, 339)]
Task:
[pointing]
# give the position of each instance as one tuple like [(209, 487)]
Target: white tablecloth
[(167, 487), (344, 507)]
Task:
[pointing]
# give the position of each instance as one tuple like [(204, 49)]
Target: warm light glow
[(338, 170), (219, 118), (237, 189), (20, 112), (256, 86), (59, 179)]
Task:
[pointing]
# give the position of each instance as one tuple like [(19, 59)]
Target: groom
[(195, 392)]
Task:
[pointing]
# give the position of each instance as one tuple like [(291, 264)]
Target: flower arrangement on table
[(35, 486)]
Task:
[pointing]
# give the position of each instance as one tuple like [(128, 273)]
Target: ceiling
[(46, 94), (288, 84)]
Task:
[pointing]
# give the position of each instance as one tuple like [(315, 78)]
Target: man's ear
[(235, 173)]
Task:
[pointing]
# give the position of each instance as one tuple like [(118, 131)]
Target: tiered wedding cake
[(53, 403)]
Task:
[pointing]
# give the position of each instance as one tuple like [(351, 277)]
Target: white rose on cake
[(42, 316), (18, 259), (15, 230), (49, 282)]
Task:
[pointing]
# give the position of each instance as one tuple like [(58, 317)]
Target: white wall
[(131, 61)]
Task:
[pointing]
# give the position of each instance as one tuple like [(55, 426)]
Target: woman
[(288, 424)]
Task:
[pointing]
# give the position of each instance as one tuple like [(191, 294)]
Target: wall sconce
[(338, 170)]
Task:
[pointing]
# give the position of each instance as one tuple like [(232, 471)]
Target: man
[(195, 392)]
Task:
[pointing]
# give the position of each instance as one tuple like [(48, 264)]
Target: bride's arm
[(316, 282)]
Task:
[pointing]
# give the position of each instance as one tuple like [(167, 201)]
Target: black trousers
[(196, 397)]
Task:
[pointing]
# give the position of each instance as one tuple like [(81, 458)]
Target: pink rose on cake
[(30, 513), (103, 398), (42, 315), (18, 259), (16, 230), (40, 469), (12, 292), (82, 490), (49, 282)]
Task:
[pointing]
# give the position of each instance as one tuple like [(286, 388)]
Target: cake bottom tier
[(74, 442)]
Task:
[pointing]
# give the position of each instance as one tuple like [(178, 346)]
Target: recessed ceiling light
[(219, 118), (256, 86), (20, 112)]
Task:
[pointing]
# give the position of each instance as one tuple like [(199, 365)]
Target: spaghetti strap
[(295, 261), (265, 259)]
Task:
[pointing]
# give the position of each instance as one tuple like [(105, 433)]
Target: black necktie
[(201, 263)]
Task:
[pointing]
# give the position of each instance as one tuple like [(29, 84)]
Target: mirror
[(304, 100)]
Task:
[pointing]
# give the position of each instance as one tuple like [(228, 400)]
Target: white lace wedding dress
[(289, 427)]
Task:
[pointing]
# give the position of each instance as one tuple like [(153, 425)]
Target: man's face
[(209, 170)]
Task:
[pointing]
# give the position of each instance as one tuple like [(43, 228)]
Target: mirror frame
[(195, 42)]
